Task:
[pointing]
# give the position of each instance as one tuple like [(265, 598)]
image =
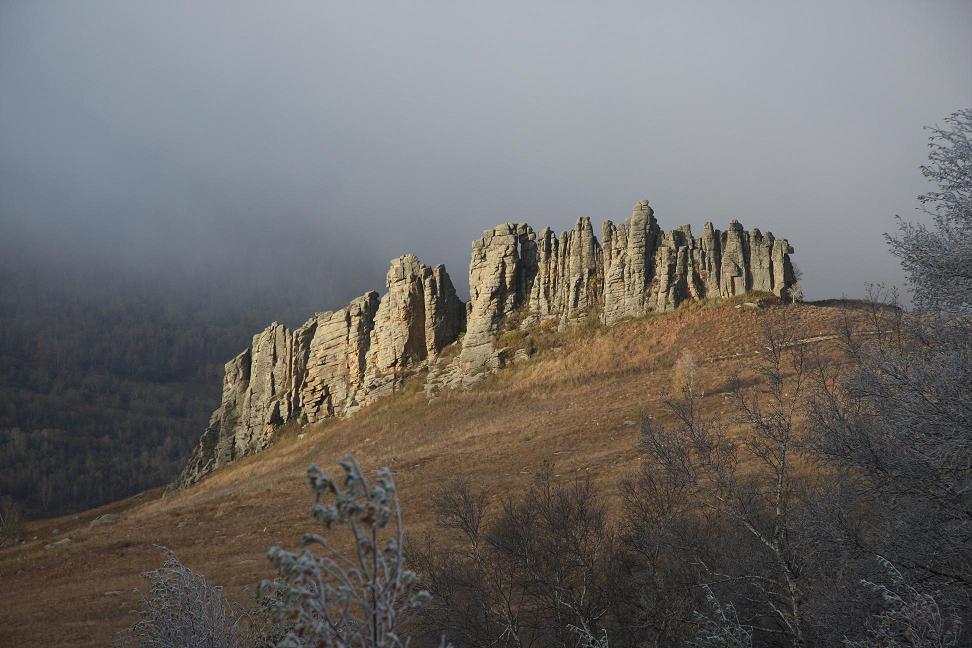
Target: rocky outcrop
[(582, 275), (331, 365), (734, 270), (445, 313), (340, 360), (418, 317), (629, 259), (217, 443), (504, 262), (517, 278), (563, 276), (331, 352), (752, 261)]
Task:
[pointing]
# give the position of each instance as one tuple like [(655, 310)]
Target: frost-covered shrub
[(363, 597), (182, 610), (585, 639), (719, 626), (910, 619)]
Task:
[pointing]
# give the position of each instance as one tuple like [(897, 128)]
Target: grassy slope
[(575, 406)]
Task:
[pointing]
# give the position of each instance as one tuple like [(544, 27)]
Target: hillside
[(575, 404)]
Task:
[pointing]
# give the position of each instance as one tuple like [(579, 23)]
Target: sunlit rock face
[(629, 263), (418, 317), (503, 262), (341, 360), (332, 349)]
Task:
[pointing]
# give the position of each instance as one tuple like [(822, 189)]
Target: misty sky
[(311, 142)]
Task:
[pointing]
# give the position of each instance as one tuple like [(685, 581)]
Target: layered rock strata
[(340, 360)]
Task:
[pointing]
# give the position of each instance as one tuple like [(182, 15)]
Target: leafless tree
[(531, 574), (11, 524), (769, 410), (719, 626), (894, 424), (697, 475), (895, 421)]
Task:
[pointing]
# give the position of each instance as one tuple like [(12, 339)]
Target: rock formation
[(338, 361), (503, 263), (330, 366), (331, 355), (628, 263), (418, 317), (517, 278)]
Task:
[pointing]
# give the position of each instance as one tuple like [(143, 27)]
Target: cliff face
[(338, 361)]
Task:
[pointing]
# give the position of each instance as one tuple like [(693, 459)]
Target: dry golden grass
[(574, 405)]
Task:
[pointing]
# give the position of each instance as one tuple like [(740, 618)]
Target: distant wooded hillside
[(105, 381)]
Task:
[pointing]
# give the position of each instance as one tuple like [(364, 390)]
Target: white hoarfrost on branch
[(362, 598), (182, 610), (938, 259), (910, 619), (719, 626)]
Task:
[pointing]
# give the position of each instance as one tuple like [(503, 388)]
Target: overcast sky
[(217, 141)]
